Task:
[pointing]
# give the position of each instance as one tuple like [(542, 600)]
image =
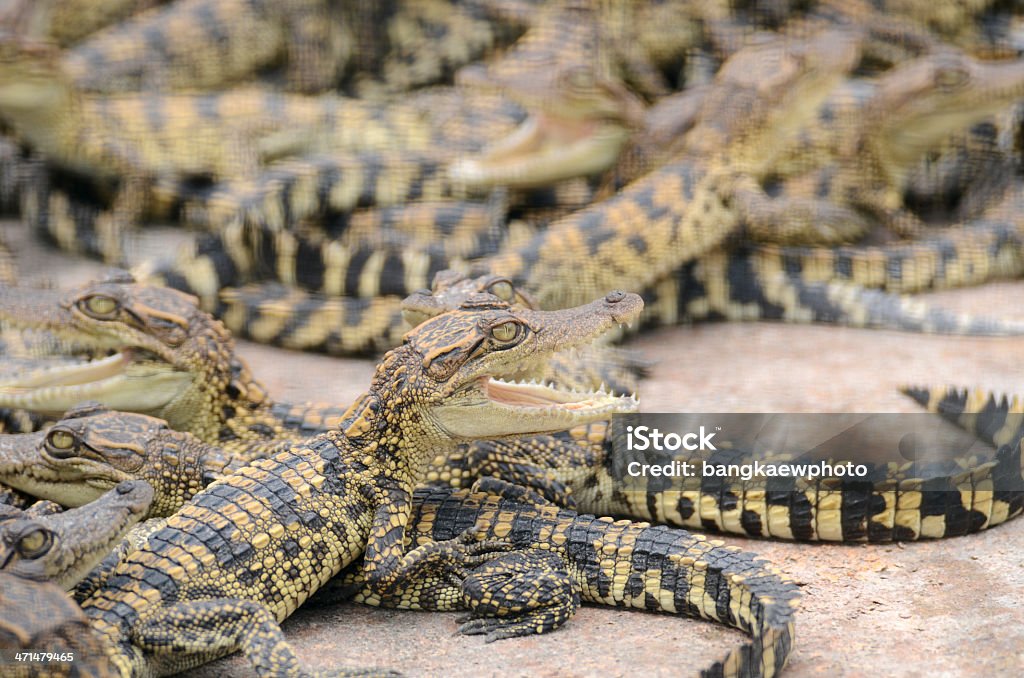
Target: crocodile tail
[(994, 490), (271, 313), (663, 569), (996, 419), (630, 564), (968, 254)]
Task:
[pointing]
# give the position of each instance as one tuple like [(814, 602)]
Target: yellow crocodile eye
[(34, 544), (505, 331), (100, 305), (580, 77), (949, 78), (503, 290), (60, 441)]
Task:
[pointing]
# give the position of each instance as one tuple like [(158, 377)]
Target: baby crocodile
[(248, 550), (63, 547), (621, 564)]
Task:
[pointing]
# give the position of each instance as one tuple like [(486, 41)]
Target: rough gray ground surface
[(946, 608)]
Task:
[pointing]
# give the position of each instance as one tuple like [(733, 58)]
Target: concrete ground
[(947, 608)]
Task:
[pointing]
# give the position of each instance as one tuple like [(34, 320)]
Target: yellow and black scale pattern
[(599, 561), (372, 252), (996, 419), (893, 503), (223, 402), (977, 251), (626, 564), (243, 554), (202, 44), (349, 154), (747, 283), (772, 295)]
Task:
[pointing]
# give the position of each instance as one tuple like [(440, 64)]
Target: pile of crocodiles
[(453, 182), (247, 521)]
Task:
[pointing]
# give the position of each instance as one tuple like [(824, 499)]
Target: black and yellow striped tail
[(996, 419)]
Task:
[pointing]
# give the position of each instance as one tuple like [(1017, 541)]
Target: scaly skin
[(171, 47), (798, 285), (216, 135), (666, 570), (582, 116), (367, 253), (40, 615), (577, 468), (63, 547), (359, 161), (684, 206), (572, 540), (125, 143), (983, 249), (412, 43), (864, 153), (996, 419), (265, 538), (68, 21)]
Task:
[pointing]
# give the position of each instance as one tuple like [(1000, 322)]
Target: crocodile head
[(459, 373), (580, 113), (451, 289), (580, 369), (136, 348), (766, 92), (64, 547), (92, 449), (32, 90), (920, 103)]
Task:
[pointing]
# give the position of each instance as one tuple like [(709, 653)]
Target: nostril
[(615, 297), (125, 488)]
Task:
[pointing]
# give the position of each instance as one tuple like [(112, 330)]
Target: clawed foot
[(520, 593)]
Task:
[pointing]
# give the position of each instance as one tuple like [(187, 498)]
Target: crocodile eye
[(61, 444), (950, 78), (35, 543), (580, 77), (505, 331), (98, 306), (502, 289)]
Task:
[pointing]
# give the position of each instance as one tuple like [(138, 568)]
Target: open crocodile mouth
[(492, 407), (132, 379), (543, 150), (534, 394)]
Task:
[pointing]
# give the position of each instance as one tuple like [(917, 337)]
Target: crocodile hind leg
[(518, 594), (398, 576), (218, 627)]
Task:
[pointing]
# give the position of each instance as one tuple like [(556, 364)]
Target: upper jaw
[(126, 380), (496, 407), (543, 151)]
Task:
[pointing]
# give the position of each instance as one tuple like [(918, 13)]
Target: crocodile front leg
[(219, 627)]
